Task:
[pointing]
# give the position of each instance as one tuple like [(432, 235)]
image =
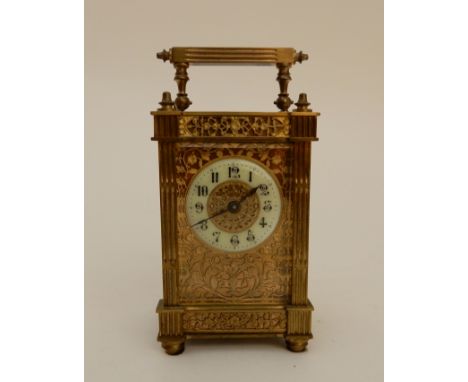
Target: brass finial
[(166, 102), (301, 56), (164, 55), (302, 103)]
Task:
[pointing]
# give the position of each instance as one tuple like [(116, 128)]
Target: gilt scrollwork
[(234, 126)]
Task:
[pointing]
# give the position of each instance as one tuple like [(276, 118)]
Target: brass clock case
[(262, 291)]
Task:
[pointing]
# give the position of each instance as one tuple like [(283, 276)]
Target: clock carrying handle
[(182, 57)]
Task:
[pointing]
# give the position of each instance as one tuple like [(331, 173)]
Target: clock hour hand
[(210, 217), (249, 193)]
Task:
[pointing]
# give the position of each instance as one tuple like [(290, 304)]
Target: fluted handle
[(182, 57)]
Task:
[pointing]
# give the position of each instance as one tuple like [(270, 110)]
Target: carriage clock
[(234, 196)]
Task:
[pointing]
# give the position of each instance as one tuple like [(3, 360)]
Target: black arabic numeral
[(234, 172), (262, 222), (267, 206), (250, 236), (198, 207), (216, 236), (264, 189), (235, 240)]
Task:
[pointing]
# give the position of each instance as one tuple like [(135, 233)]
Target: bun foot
[(173, 346), (297, 344)]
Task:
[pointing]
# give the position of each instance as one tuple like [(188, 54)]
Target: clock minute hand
[(210, 217)]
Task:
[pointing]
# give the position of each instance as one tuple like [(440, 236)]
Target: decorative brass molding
[(168, 203), (170, 320), (234, 126), (300, 319), (300, 197), (234, 321)]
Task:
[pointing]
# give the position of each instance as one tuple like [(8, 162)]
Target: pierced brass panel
[(234, 126)]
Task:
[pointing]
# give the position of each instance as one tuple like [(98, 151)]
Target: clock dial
[(233, 204)]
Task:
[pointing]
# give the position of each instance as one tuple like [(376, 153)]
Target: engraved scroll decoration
[(234, 321), (261, 275), (234, 126)]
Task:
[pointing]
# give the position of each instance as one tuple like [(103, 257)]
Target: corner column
[(299, 312), (171, 333)]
